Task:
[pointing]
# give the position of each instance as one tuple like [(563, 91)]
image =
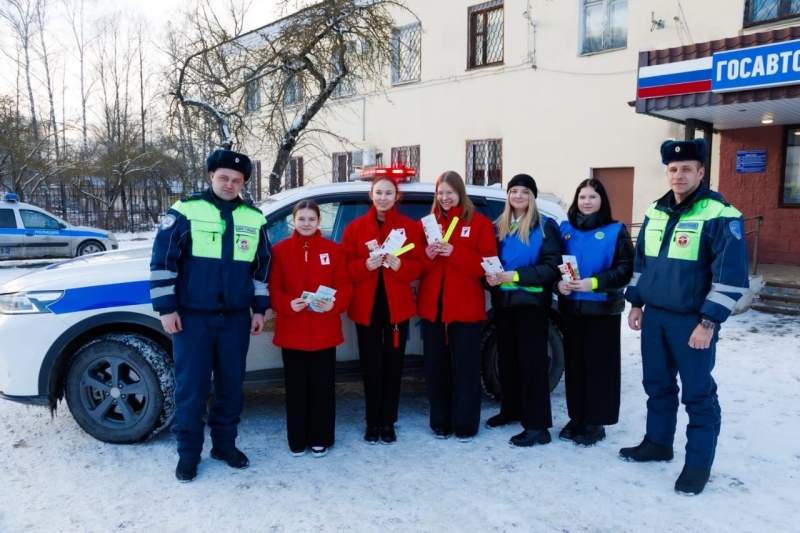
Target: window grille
[(485, 162), (294, 173), (762, 11), (485, 34), (406, 53), (342, 166), (605, 25), (294, 91), (407, 156), (252, 95)]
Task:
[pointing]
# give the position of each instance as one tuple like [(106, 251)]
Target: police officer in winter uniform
[(690, 268), (209, 270)]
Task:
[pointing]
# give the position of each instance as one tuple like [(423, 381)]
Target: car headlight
[(20, 303)]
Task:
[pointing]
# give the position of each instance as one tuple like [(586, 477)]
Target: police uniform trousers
[(665, 354), (209, 343), (452, 361), (382, 367), (521, 333), (592, 367), (310, 397)]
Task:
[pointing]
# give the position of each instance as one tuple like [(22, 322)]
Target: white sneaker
[(319, 451)]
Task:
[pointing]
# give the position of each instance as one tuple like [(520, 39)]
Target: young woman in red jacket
[(452, 305), (309, 330), (382, 305)]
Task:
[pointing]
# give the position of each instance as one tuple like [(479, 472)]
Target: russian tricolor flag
[(671, 79)]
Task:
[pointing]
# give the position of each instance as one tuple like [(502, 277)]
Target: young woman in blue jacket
[(591, 307)]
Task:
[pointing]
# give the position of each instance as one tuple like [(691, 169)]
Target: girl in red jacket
[(308, 329), (382, 305), (452, 305)]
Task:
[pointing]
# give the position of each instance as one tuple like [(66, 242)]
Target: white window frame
[(608, 8)]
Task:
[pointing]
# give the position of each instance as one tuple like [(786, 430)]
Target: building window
[(294, 173), (406, 156), (485, 162), (293, 94), (342, 166), (252, 95), (406, 52), (791, 170), (605, 25), (762, 11), (347, 85), (485, 34)]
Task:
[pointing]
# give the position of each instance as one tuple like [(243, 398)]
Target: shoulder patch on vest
[(168, 221)]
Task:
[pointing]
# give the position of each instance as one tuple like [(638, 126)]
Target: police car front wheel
[(119, 388), (90, 247)]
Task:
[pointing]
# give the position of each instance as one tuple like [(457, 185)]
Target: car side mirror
[(61, 225)]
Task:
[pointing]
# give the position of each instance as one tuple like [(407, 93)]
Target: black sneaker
[(571, 430), (692, 480), (531, 437), (501, 419), (590, 436), (186, 469), (388, 435), (298, 451), (232, 456), (465, 438), (646, 451), (442, 432), (373, 434)]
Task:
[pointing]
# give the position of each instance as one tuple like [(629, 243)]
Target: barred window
[(347, 85), (605, 25), (342, 166), (485, 162), (763, 11), (252, 95), (406, 53), (407, 156), (485, 34), (293, 94), (294, 173)]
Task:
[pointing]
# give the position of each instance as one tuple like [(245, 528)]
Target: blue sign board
[(748, 161), (769, 65)]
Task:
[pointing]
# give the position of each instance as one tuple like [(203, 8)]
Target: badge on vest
[(683, 240), (244, 245), (599, 235), (465, 231), (324, 259), (168, 221), (689, 226), (245, 229), (372, 245), (736, 229)]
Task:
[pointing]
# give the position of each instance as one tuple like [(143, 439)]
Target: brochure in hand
[(569, 268), (433, 233), (323, 293), (492, 265)]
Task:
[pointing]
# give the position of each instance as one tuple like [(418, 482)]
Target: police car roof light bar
[(11, 197), (399, 173)]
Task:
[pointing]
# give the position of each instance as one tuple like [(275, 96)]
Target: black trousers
[(453, 375), (310, 397), (592, 367), (523, 365), (382, 367)]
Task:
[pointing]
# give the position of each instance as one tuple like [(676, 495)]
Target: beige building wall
[(559, 114)]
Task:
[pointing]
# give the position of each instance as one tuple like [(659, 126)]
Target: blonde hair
[(522, 230), (453, 179)]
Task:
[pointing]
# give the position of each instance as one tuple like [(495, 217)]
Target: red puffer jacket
[(303, 264), (357, 237), (461, 274)]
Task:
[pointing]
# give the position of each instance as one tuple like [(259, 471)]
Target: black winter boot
[(692, 480), (646, 451)]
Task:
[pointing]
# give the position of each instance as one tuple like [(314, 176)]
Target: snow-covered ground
[(54, 477)]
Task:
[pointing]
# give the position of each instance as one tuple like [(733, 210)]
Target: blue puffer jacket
[(186, 275), (691, 257)]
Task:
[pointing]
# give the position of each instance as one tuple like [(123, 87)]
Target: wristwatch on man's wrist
[(707, 324)]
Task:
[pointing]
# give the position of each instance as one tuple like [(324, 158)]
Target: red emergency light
[(398, 173)]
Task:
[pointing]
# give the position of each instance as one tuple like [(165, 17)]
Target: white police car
[(84, 329), (27, 232)]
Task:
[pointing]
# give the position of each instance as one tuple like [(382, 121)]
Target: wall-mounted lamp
[(655, 24)]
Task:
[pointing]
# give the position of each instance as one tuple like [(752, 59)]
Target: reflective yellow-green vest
[(208, 227), (687, 235)]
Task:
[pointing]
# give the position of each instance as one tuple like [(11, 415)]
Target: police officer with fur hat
[(208, 281), (690, 268)]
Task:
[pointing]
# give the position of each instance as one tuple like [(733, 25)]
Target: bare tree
[(274, 81)]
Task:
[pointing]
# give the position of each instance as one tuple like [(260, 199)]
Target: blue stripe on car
[(102, 297)]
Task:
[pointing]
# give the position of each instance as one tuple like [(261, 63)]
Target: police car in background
[(27, 232), (85, 330)]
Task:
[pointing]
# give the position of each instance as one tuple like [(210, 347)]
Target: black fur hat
[(524, 180), (694, 150), (230, 159)]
